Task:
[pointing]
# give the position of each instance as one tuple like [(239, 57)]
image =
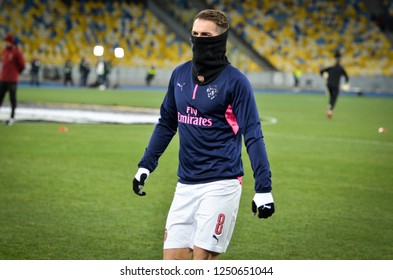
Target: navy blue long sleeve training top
[(211, 120)]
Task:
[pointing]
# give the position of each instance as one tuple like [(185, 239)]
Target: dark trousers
[(11, 88), (333, 95), (149, 78), (68, 79), (83, 82), (34, 79)]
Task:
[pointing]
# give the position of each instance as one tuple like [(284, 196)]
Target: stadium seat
[(299, 34)]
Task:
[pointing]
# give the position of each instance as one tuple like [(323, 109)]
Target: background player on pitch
[(13, 64), (211, 104), (334, 74)]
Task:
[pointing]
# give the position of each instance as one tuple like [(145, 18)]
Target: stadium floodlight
[(119, 52), (98, 50)]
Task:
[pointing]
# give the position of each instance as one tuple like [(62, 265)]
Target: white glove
[(139, 181), (264, 204)]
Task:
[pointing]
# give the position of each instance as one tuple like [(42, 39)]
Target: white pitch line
[(330, 139), (78, 116), (74, 115), (89, 116)]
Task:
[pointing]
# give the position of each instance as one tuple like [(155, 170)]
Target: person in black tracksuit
[(35, 71), (84, 70), (68, 73), (333, 82)]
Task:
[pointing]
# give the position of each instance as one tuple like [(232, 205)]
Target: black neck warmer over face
[(209, 57)]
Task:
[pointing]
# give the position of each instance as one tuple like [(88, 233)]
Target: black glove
[(264, 203), (139, 181)]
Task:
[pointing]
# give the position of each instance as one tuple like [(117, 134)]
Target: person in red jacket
[(13, 63)]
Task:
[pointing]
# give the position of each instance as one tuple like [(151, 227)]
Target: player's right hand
[(139, 181)]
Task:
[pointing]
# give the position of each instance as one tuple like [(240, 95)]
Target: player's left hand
[(264, 204)]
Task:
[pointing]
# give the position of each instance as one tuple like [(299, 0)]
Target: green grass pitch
[(68, 195)]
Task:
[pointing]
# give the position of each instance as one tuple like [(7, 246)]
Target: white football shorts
[(203, 215)]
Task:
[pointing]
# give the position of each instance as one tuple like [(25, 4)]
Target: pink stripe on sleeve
[(231, 119)]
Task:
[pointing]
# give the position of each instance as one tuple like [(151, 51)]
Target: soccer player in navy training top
[(211, 104)]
